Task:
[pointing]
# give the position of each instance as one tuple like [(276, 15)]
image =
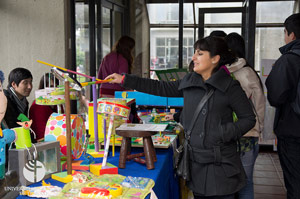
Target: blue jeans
[(248, 160)]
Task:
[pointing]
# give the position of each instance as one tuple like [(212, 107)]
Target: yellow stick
[(64, 69), (61, 68)]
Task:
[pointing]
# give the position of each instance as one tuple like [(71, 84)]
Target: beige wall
[(31, 30), (140, 30)]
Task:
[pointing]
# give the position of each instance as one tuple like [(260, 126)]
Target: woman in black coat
[(215, 165)]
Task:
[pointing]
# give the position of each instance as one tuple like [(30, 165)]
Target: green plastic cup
[(23, 138)]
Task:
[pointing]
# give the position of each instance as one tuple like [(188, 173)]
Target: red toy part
[(95, 190)]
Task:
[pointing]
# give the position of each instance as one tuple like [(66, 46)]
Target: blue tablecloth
[(166, 185)]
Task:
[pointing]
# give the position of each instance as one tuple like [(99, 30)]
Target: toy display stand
[(145, 131), (114, 108), (68, 81), (149, 151)]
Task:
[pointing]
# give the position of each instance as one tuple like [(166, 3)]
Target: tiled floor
[(268, 177)]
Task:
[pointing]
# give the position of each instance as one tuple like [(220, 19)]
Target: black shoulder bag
[(181, 154)]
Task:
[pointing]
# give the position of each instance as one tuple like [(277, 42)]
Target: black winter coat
[(12, 111), (282, 88), (215, 164)]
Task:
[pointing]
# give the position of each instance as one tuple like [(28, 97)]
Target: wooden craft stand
[(149, 150)]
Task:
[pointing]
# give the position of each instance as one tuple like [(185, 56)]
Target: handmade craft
[(53, 96), (56, 130), (112, 107), (41, 191), (115, 107), (108, 187)]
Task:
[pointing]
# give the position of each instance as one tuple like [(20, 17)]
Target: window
[(269, 32), (82, 40), (164, 48)]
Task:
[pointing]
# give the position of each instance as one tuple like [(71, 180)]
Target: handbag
[(181, 154)]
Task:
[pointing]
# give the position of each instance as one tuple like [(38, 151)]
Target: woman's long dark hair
[(47, 78), (124, 46), (216, 46), (236, 44)]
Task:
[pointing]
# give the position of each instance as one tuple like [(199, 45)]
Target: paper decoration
[(56, 130), (52, 96), (115, 109)]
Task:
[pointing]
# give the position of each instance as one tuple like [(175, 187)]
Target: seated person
[(19, 87), (40, 114)]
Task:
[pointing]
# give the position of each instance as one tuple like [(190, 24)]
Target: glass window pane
[(273, 11), (184, 52), (191, 42), (190, 51), (229, 17), (118, 25), (184, 43), (174, 52), (265, 47), (106, 31), (163, 13), (223, 18), (163, 48), (160, 51), (173, 41), (160, 41), (82, 40)]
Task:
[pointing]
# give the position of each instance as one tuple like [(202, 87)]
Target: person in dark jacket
[(215, 165), (19, 87), (282, 89)]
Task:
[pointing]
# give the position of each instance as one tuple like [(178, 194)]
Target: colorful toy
[(45, 184), (53, 96), (8, 136), (94, 190), (62, 177), (56, 130), (113, 107), (25, 122), (82, 176), (135, 182), (98, 169), (41, 192), (77, 165), (109, 186), (116, 109), (102, 127)]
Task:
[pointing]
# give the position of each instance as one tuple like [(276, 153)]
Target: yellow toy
[(45, 184), (94, 190), (62, 177)]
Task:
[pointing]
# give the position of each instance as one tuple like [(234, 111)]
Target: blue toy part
[(88, 159), (151, 100), (8, 137)]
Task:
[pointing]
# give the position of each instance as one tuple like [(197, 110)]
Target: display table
[(166, 185)]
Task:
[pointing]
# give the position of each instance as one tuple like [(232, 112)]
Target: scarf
[(21, 103)]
